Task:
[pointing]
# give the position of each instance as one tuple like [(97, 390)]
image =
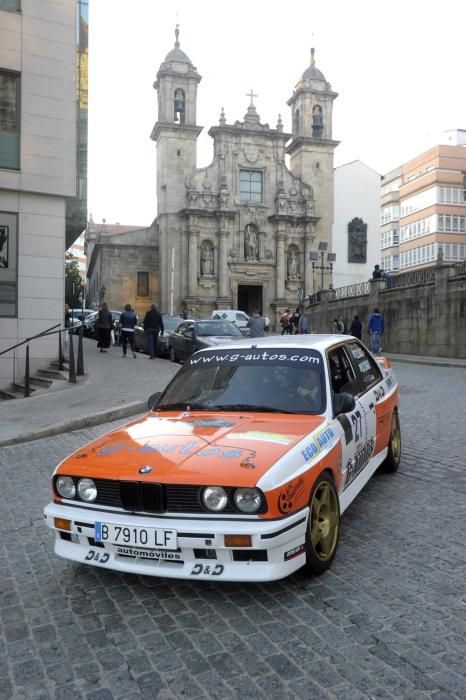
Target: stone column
[(222, 263), (308, 281), (281, 260), (193, 261)]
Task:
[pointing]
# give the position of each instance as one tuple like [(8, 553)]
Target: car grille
[(147, 497)]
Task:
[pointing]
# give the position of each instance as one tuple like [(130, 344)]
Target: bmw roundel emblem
[(145, 470)]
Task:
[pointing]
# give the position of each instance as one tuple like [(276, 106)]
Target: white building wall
[(39, 43), (357, 195)]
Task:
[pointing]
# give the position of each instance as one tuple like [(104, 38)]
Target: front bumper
[(277, 546)]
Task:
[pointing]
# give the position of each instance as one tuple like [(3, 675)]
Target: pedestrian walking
[(376, 327), (104, 325), (285, 322), (153, 326), (388, 279), (128, 320), (294, 321), (256, 324), (339, 325), (303, 325), (356, 327)]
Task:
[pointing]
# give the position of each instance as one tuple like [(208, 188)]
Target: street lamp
[(314, 257)]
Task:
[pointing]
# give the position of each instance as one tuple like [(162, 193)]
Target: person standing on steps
[(104, 325), (153, 326), (128, 320)]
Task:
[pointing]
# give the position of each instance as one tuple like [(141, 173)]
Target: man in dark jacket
[(153, 325), (356, 328)]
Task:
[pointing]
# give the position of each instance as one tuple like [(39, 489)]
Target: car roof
[(315, 341)]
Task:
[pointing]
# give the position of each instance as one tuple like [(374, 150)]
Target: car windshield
[(170, 323), (226, 328), (286, 380)]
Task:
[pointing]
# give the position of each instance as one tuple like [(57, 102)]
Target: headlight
[(87, 490), (247, 500), (65, 486), (215, 498)]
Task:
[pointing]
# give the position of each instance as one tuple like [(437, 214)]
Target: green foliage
[(72, 282)]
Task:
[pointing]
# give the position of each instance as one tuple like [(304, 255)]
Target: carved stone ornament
[(251, 153), (357, 241)]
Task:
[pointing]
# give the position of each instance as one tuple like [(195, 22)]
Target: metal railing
[(459, 269), (352, 290), (73, 369), (411, 279)]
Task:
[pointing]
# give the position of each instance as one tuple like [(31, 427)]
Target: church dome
[(312, 72), (177, 55)]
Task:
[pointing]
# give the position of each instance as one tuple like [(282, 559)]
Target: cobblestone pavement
[(387, 621)]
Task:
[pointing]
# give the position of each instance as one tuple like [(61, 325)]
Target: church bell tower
[(311, 148), (175, 131)]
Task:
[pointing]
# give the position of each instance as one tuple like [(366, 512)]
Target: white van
[(238, 317)]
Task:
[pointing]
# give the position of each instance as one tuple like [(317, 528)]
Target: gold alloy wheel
[(395, 438), (324, 521)]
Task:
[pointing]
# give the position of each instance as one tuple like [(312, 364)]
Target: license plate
[(135, 536)]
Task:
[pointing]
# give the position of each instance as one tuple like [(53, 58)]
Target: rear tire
[(392, 460), (323, 528)]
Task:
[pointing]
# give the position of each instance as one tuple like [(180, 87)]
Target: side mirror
[(153, 400), (343, 403)]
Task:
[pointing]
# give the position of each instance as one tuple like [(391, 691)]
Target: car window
[(241, 317), (341, 372), (206, 328), (170, 323), (182, 327), (281, 380), (366, 367)]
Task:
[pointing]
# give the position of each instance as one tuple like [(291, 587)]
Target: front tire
[(392, 460), (323, 527)]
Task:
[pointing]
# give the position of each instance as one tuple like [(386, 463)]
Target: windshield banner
[(291, 357)]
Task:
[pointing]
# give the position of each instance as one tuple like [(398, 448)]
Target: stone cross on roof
[(251, 95)]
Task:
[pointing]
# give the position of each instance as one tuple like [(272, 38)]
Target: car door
[(353, 424), (185, 340)]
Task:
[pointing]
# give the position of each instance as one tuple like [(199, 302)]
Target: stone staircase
[(39, 382)]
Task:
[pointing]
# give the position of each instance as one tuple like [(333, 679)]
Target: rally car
[(242, 467)]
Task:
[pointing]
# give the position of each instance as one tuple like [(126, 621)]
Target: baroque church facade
[(238, 233)]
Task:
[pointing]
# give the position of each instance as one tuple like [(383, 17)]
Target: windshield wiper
[(249, 407)]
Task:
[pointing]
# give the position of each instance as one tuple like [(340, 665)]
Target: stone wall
[(422, 319)]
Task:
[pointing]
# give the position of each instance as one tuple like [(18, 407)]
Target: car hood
[(227, 449)]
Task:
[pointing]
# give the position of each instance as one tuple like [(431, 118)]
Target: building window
[(143, 284), (8, 263), (10, 5), (9, 120), (250, 186)]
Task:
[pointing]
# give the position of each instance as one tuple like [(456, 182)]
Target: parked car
[(240, 318), (163, 349), (89, 324), (77, 316), (241, 469), (191, 336)]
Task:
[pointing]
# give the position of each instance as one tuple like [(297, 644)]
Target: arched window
[(317, 121), (179, 106)]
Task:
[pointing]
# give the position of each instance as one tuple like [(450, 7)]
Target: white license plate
[(135, 536)]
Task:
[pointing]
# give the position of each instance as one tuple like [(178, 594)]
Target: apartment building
[(423, 208), (37, 170)]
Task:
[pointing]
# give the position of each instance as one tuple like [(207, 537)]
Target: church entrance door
[(249, 297)]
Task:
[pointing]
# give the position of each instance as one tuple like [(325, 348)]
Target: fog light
[(238, 541), (62, 524)]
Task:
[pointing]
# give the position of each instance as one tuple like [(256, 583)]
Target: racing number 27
[(357, 425)]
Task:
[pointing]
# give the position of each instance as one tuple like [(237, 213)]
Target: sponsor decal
[(292, 553), (288, 496), (156, 554), (208, 570), (181, 449), (384, 418), (320, 442), (361, 459), (379, 393), (357, 352), (279, 356), (145, 470), (278, 438), (346, 425), (209, 423), (101, 557), (389, 382), (364, 366)]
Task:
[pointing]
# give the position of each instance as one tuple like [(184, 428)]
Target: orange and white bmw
[(242, 467)]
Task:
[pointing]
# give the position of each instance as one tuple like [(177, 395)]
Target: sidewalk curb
[(108, 415), (430, 362)]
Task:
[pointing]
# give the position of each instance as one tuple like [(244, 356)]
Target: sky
[(399, 68)]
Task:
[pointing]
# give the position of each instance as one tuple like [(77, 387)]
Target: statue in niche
[(317, 121), (251, 243), (293, 265), (179, 105), (357, 241), (207, 260)]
